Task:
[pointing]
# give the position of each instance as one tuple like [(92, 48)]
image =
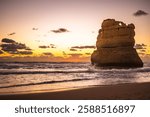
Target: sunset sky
[(65, 30)]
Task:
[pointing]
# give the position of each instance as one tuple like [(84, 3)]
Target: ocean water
[(30, 77)]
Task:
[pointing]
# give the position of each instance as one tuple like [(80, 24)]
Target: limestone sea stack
[(115, 46)]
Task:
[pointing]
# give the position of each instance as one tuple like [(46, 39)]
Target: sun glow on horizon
[(52, 29)]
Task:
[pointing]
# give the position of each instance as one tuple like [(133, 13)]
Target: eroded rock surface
[(115, 43)]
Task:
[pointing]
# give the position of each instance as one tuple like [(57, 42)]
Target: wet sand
[(131, 91)]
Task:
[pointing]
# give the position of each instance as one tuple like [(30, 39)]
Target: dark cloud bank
[(6, 40), (13, 47)]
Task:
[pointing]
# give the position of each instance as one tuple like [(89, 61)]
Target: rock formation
[(115, 44)]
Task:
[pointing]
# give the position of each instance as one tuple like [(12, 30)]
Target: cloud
[(44, 59), (13, 33), (75, 55), (140, 13), (140, 46), (88, 53), (50, 46), (13, 47), (72, 49), (142, 50), (48, 54), (34, 28), (6, 40), (25, 52), (28, 48), (141, 53), (60, 30), (83, 47), (44, 47), (143, 44)]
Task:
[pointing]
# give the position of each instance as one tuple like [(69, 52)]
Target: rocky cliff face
[(114, 44)]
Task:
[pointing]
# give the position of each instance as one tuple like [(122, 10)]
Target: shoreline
[(127, 91)]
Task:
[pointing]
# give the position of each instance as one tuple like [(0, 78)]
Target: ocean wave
[(42, 65), (46, 82), (43, 72), (89, 70)]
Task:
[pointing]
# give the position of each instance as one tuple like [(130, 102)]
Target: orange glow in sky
[(59, 25)]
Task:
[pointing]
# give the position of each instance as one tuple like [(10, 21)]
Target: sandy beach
[(131, 91)]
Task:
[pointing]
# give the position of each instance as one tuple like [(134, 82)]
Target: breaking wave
[(90, 70)]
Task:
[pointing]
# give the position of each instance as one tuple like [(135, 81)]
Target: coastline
[(127, 91)]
